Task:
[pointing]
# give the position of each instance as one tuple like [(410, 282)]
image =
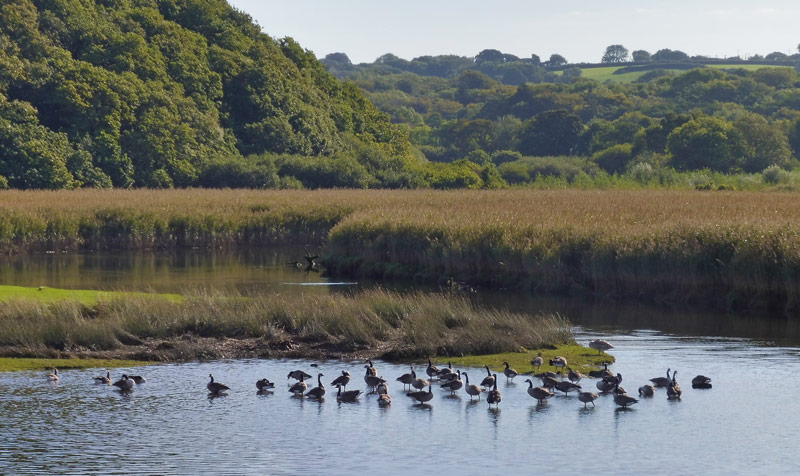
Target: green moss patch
[(14, 364), (578, 357)]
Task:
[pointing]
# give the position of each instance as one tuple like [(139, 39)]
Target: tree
[(641, 56), (489, 55), (551, 133), (535, 60), (667, 54), (776, 56), (615, 54), (557, 60), (706, 142)]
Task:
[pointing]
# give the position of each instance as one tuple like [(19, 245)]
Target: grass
[(606, 73), (375, 323), (81, 296), (14, 364), (578, 358)]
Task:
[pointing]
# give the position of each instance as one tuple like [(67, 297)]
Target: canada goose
[(53, 376), (300, 387), (558, 362), (373, 381), (371, 376), (382, 388), (296, 374), (587, 397), (623, 399), (125, 384), (537, 361), (549, 382), (371, 370), (605, 386), (264, 385), (422, 396), (701, 381), (494, 395), (614, 379), (566, 386), (574, 376), (489, 380), (600, 345), (661, 381), (348, 396), (674, 389), (509, 372), (342, 380), (542, 375), (646, 390), (384, 399), (406, 379), (418, 383), (446, 372), (539, 393), (215, 387), (471, 389), (105, 380), (431, 370), (319, 391), (138, 379), (454, 384)]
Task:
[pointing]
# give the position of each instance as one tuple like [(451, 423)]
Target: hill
[(162, 93)]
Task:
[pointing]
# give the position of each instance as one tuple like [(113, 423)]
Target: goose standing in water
[(214, 387), (384, 399), (300, 387), (494, 395), (372, 381), (489, 380), (539, 393), (319, 391), (264, 385), (342, 380), (454, 384), (509, 372), (138, 379), (471, 389), (566, 386), (605, 386), (600, 345), (422, 396), (446, 373), (587, 397), (382, 388), (53, 377), (701, 381), (647, 390), (348, 396), (537, 361), (126, 384), (674, 389), (296, 374), (371, 370), (661, 382), (406, 379), (623, 399), (418, 383), (431, 370), (104, 380)]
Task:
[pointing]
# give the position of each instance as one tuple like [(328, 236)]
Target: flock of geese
[(454, 380)]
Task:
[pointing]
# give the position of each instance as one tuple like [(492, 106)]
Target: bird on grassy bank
[(104, 380), (406, 379), (647, 390), (600, 345), (126, 384), (297, 374), (537, 361), (574, 376), (587, 397), (566, 386), (558, 362), (53, 377), (701, 381), (422, 396), (431, 370), (509, 372), (661, 382), (264, 385), (454, 384), (319, 391), (348, 396), (300, 387), (342, 380), (494, 395), (214, 387), (539, 393), (471, 389), (488, 381), (138, 379), (623, 399), (674, 389)]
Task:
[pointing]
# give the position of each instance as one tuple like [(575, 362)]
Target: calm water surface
[(744, 425)]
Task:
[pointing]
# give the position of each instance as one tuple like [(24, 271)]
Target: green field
[(606, 73), (82, 296)]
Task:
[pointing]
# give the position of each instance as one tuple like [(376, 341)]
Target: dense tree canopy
[(615, 54)]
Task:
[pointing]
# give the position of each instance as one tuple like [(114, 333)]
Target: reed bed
[(375, 322)]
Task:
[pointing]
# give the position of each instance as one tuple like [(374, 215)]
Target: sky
[(579, 30)]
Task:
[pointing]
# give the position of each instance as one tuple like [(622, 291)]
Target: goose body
[(125, 384), (701, 381), (472, 389), (406, 379), (373, 381), (422, 396), (509, 372), (348, 396), (605, 386), (542, 375), (104, 380), (647, 390), (489, 380), (382, 388), (299, 388), (431, 370), (587, 397), (674, 389), (623, 399), (297, 374), (558, 362), (215, 387), (342, 380), (566, 386), (537, 361), (371, 370), (661, 382), (446, 372), (549, 382), (454, 384), (264, 385), (539, 393), (494, 396), (53, 376), (418, 383), (600, 345), (384, 399), (319, 391), (138, 379), (574, 376)]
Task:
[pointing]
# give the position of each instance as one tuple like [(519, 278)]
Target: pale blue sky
[(579, 30)]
